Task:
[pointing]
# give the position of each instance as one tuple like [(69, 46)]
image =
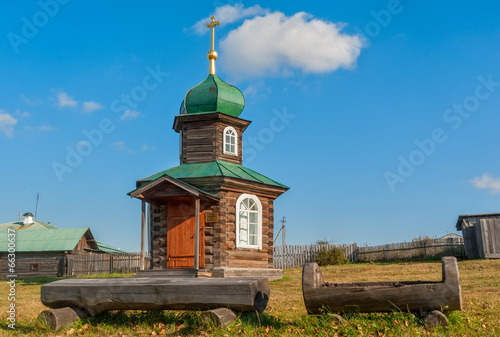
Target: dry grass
[(285, 314)]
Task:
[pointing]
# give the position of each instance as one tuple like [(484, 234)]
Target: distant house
[(42, 249), (481, 234), (452, 237)]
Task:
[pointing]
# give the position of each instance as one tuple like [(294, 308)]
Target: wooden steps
[(167, 273)]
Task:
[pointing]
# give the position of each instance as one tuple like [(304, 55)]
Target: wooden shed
[(43, 249), (211, 214), (43, 252), (481, 234)]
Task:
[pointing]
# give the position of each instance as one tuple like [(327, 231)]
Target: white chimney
[(28, 218)]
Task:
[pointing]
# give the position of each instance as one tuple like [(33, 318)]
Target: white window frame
[(226, 130), (259, 219)]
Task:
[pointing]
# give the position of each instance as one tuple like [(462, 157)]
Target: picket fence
[(292, 256), (103, 264), (420, 249)]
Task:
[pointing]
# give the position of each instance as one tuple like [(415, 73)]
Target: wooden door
[(180, 235)]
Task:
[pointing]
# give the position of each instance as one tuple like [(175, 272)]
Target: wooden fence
[(292, 256), (102, 264), (419, 249), (295, 256)]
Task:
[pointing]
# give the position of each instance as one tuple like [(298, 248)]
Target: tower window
[(230, 141), (248, 222)]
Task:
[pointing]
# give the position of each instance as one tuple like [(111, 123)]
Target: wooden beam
[(197, 233), (143, 234)]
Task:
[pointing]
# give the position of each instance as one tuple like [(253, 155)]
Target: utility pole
[(36, 208), (283, 221)]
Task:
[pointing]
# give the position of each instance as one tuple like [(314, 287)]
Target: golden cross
[(212, 54)]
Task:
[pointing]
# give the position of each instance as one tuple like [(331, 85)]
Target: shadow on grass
[(38, 280)]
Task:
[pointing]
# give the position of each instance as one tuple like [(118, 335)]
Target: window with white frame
[(230, 141), (248, 222)]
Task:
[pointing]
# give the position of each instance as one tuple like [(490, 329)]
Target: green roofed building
[(42, 249), (210, 213)]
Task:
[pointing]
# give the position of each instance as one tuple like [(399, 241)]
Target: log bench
[(414, 296), (95, 296)]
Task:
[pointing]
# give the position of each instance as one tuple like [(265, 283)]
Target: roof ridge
[(227, 168), (197, 169)]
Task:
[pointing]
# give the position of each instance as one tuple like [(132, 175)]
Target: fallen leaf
[(161, 325), (70, 332)]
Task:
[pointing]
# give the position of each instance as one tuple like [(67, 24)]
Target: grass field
[(286, 314)]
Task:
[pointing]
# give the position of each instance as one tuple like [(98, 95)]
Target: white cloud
[(486, 182), (22, 114), (46, 127), (130, 114), (276, 44), (228, 14), (29, 101), (120, 146), (7, 123), (63, 100), (91, 106)]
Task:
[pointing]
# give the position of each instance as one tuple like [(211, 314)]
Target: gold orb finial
[(212, 54)]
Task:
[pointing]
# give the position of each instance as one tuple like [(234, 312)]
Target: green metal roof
[(18, 225), (216, 168), (44, 240), (213, 94), (108, 249)]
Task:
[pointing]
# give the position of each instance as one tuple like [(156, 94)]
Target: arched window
[(248, 222), (230, 141)]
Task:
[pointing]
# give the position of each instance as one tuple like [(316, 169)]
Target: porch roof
[(179, 184)]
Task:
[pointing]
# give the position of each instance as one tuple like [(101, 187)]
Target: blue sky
[(387, 110)]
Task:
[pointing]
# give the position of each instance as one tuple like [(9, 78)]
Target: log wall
[(220, 237), (225, 247), (159, 236), (49, 264), (203, 142)]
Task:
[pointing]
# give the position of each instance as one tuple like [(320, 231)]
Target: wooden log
[(99, 295), (382, 296), (220, 316), (57, 318), (434, 319)]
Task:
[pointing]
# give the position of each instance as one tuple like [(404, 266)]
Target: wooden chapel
[(210, 215)]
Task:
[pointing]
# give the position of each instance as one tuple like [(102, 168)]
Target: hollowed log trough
[(95, 296), (413, 296)]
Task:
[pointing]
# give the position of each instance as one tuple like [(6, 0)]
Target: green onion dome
[(214, 95)]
